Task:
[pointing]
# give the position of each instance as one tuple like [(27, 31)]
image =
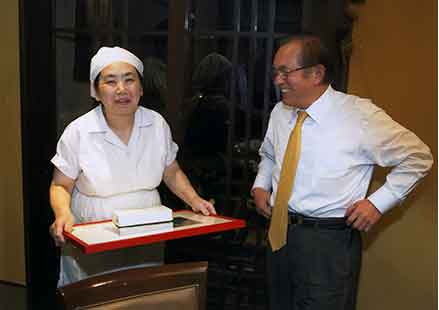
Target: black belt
[(317, 222)]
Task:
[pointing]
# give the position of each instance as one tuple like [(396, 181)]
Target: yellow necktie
[(277, 233)]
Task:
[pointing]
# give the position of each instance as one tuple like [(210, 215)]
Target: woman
[(113, 157)]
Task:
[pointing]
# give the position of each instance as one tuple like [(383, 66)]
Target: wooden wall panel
[(12, 249), (395, 63)]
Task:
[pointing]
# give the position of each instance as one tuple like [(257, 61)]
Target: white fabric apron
[(76, 266)]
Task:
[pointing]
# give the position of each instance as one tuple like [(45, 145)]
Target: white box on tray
[(152, 219)]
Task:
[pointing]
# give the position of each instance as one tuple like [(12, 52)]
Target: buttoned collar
[(319, 108)]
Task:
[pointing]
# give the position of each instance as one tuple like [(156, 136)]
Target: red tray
[(93, 237)]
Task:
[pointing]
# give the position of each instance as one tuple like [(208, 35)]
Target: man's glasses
[(283, 71)]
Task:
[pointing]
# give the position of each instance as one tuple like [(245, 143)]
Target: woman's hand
[(63, 222), (200, 205), (178, 183)]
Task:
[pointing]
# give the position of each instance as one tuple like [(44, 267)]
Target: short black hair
[(313, 52)]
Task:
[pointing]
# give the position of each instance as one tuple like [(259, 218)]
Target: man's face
[(295, 83)]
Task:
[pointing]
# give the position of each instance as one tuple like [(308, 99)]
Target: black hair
[(313, 52)]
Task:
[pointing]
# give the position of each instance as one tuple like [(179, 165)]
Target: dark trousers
[(318, 269)]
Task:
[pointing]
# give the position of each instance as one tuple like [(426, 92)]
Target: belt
[(317, 222)]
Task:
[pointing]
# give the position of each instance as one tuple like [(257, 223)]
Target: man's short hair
[(313, 52)]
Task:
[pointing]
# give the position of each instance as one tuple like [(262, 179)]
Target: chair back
[(167, 287)]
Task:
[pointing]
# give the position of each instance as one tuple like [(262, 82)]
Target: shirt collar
[(319, 108), (98, 124)]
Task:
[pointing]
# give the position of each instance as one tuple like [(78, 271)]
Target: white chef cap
[(106, 56)]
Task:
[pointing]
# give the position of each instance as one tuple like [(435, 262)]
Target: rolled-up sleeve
[(171, 146), (66, 157)]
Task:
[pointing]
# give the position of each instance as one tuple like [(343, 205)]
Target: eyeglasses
[(283, 71)]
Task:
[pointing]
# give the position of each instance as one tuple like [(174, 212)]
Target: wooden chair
[(167, 287)]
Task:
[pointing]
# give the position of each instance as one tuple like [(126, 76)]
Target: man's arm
[(388, 144), (179, 184), (262, 201), (261, 190)]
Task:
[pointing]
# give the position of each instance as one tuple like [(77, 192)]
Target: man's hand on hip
[(362, 215)]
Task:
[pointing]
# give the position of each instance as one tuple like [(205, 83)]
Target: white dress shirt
[(343, 138)]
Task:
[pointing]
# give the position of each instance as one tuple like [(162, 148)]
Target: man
[(315, 193)]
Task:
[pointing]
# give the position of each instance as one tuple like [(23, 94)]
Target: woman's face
[(119, 89)]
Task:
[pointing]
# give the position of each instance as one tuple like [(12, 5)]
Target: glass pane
[(263, 14), (246, 14), (252, 75), (288, 16), (260, 10), (82, 27), (90, 15), (153, 51), (207, 117), (213, 15), (72, 95), (226, 102), (65, 13), (139, 15), (145, 16)]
